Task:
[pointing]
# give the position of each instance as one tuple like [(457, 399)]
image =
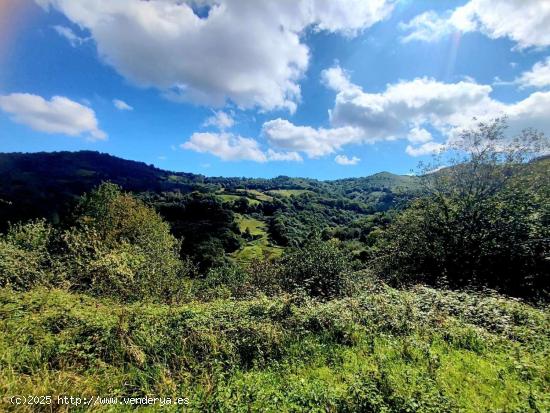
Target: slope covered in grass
[(384, 350), (259, 245)]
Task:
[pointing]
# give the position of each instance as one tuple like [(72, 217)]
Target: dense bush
[(385, 350), (122, 248), (319, 269), (224, 281), (117, 246), (483, 221), (25, 258)]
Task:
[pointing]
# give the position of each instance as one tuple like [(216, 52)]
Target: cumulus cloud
[(428, 113), (538, 76), (58, 115), (419, 135), (525, 22), (336, 78), (283, 134), (230, 147), (426, 27), (283, 156), (220, 120), (210, 58), (344, 160), (402, 109), (73, 39), (121, 105), (427, 148)]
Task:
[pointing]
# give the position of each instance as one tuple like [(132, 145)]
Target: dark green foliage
[(107, 303), (47, 185), (207, 229), (483, 222), (319, 268), (265, 276), (117, 247)]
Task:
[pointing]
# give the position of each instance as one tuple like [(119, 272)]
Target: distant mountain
[(46, 184)]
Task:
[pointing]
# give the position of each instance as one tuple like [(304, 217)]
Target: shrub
[(224, 281), (319, 269), (25, 259), (265, 276), (120, 247)]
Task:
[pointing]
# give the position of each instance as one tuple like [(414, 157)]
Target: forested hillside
[(240, 216)]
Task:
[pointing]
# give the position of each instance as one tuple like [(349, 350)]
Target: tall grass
[(420, 350)]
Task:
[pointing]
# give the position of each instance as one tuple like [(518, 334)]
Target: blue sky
[(316, 88)]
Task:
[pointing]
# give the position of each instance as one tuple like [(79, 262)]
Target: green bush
[(265, 276), (319, 269), (224, 281), (25, 258), (386, 350), (119, 247)]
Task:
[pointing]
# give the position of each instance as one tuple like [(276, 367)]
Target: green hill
[(36, 185)]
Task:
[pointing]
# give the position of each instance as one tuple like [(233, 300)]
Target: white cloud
[(406, 110), (425, 149), (283, 156), (336, 78), (71, 37), (419, 135), (230, 147), (346, 16), (250, 52), (121, 105), (525, 22), (283, 134), (344, 160), (538, 76), (220, 120), (426, 27), (402, 109), (58, 115)]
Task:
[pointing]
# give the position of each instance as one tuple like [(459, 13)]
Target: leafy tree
[(206, 228), (123, 248), (483, 220)]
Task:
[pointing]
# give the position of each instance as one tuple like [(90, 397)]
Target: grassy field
[(233, 198), (257, 248), (385, 350), (257, 194), (289, 192)]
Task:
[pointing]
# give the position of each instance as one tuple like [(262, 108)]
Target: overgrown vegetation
[(484, 221), (297, 301)]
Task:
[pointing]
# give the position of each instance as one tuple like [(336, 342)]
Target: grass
[(256, 194), (233, 198), (289, 192), (385, 350), (257, 248), (255, 226)]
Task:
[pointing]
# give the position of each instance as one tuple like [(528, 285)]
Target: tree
[(483, 220), (121, 247)]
